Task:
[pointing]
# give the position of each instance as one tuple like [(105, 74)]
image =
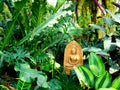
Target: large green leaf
[(85, 76), (108, 21), (28, 75), (104, 81), (96, 64)]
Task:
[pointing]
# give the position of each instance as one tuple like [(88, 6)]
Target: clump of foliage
[(33, 35), (95, 76)]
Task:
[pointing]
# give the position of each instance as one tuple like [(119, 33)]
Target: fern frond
[(38, 12)]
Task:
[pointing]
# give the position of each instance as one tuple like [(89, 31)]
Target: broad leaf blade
[(96, 64), (104, 81), (28, 75), (85, 76)]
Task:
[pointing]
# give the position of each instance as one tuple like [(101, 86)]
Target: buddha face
[(73, 50)]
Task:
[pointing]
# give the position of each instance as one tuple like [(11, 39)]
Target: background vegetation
[(33, 36)]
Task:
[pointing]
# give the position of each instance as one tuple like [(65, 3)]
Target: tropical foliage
[(33, 36)]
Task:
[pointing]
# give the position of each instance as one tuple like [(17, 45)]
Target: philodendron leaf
[(96, 64), (28, 75)]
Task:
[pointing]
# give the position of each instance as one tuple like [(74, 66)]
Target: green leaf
[(104, 81), (85, 76), (59, 4), (38, 12), (92, 49), (93, 26), (40, 28), (2, 87), (28, 75), (96, 64), (107, 89), (54, 84), (116, 83), (22, 85), (10, 25), (116, 17), (108, 21), (1, 6)]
